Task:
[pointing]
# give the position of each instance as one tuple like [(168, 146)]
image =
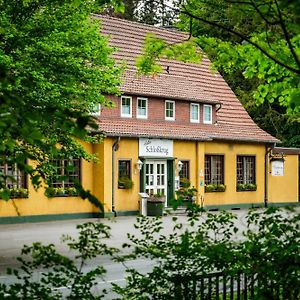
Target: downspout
[(115, 148), (266, 198)]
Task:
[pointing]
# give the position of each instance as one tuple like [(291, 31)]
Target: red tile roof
[(185, 81)]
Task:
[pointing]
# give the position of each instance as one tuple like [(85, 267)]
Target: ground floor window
[(184, 173), (245, 167), (12, 177), (66, 173), (124, 174), (214, 169)]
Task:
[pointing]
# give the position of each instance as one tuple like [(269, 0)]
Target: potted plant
[(185, 183), (125, 182), (241, 187), (209, 188), (155, 205)]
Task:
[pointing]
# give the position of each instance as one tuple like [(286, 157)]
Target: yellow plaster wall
[(128, 199), (39, 204), (285, 188), (230, 152)]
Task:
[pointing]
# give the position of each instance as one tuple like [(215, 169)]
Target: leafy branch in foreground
[(266, 252)]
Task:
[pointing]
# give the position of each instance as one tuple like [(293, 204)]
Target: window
[(142, 108), (207, 114), (214, 169), (245, 168), (13, 178), (184, 173), (124, 174), (126, 107), (194, 113), (170, 110), (96, 111), (67, 171)]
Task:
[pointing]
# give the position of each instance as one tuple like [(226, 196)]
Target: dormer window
[(195, 113), (207, 114), (169, 110), (142, 108), (126, 107)]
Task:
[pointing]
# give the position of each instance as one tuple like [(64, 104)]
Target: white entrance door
[(156, 177)]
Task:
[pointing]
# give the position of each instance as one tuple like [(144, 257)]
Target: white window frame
[(121, 105), (191, 115), (137, 108), (170, 118), (97, 113), (204, 119)]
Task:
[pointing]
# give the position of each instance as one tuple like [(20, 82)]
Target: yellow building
[(184, 125)]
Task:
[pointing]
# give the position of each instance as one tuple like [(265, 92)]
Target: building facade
[(183, 125)]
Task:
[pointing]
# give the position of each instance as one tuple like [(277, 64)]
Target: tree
[(149, 11), (54, 68)]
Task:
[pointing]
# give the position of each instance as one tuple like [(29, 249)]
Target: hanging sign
[(155, 148), (277, 167)]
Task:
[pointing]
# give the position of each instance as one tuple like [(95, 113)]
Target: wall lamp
[(139, 165), (179, 165)]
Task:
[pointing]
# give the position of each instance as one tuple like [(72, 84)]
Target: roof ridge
[(142, 25)]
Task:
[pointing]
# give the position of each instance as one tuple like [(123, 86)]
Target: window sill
[(246, 190)]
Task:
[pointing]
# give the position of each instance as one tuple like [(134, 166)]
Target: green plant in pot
[(125, 182), (155, 205)]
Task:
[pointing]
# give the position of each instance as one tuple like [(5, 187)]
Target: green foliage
[(155, 48), (185, 183), (60, 271), (215, 188), (57, 192), (153, 12), (54, 67), (125, 182), (7, 194), (268, 250), (246, 187)]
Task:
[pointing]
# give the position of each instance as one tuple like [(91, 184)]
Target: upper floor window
[(67, 171), (96, 111), (169, 110), (214, 169), (245, 168), (207, 114), (126, 107), (142, 108), (12, 177), (194, 113)]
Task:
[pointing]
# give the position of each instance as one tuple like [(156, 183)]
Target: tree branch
[(242, 36), (286, 35)]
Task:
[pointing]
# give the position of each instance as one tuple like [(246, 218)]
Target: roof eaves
[(243, 139), (204, 139)]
